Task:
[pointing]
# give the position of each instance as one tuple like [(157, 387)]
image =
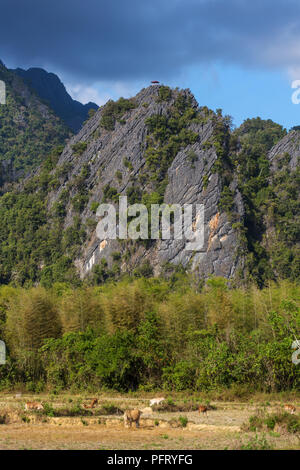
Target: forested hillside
[(29, 129)]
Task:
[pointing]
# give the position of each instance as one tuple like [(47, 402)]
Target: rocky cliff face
[(288, 147), (282, 215), (116, 163), (158, 147)]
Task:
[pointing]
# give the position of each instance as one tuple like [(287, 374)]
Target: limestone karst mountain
[(159, 146)]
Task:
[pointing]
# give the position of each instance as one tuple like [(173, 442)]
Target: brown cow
[(131, 416), (33, 405), (203, 409), (93, 403), (290, 409)]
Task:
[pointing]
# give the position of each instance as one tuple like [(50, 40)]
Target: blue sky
[(245, 93), (236, 55)]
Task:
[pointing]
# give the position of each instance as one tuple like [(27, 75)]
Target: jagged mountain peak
[(127, 143), (51, 89), (29, 129)]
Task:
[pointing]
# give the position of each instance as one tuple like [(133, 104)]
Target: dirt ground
[(220, 429)]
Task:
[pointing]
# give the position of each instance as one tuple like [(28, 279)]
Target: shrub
[(48, 410), (261, 421), (94, 206), (192, 157), (183, 421), (164, 93), (116, 256), (180, 377), (257, 443), (110, 193), (119, 175), (110, 409), (79, 148), (127, 164), (114, 111)]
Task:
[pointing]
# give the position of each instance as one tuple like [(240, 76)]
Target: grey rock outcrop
[(290, 145), (188, 183)]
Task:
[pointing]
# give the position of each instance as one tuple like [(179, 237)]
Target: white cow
[(156, 401)]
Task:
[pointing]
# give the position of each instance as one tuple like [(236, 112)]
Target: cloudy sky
[(239, 55)]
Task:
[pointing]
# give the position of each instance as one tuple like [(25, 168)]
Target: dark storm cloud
[(134, 39)]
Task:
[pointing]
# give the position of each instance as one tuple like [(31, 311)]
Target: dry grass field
[(65, 424)]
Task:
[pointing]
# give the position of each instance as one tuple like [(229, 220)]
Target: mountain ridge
[(29, 129), (51, 89)]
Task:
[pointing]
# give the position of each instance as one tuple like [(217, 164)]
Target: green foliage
[(134, 195), (33, 244), (192, 157), (152, 333), (164, 93), (257, 443), (79, 148), (144, 270), (268, 201), (127, 164), (268, 421), (48, 410), (94, 206), (79, 202), (103, 360), (113, 111), (116, 256), (226, 201), (168, 134), (183, 420), (205, 181), (91, 112), (179, 377), (110, 193), (29, 130)]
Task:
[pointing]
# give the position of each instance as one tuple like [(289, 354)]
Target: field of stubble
[(64, 426)]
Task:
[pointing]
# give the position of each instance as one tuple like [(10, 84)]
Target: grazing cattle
[(290, 409), (132, 416), (92, 404), (33, 405), (203, 409), (156, 401)]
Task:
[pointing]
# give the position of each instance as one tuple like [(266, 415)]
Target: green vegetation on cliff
[(34, 247), (271, 200), (29, 129), (169, 134), (113, 111)]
